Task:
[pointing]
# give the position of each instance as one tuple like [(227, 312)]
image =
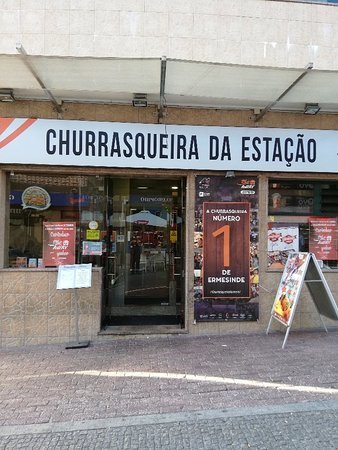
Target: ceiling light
[(6, 95), (229, 174), (311, 108), (140, 100)]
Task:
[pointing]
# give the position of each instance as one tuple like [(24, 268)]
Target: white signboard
[(74, 276), (84, 143)]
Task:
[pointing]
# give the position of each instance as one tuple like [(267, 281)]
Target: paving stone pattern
[(119, 379), (308, 430)]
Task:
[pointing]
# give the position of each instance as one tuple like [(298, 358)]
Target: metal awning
[(167, 82)]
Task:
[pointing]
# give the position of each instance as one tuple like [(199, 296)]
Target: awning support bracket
[(162, 104), (258, 116), (30, 67)]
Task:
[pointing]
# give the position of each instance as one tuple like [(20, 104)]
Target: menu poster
[(226, 249), (323, 237), (74, 276), (58, 243), (289, 287)]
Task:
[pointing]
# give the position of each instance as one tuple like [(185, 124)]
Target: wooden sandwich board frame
[(302, 268)]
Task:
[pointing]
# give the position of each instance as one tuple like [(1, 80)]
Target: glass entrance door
[(144, 256)]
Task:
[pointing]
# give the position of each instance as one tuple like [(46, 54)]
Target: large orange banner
[(226, 250)]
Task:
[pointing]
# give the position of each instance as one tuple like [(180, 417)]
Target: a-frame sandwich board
[(302, 268)]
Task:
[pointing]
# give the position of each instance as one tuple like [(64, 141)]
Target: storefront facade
[(166, 145), (182, 236)]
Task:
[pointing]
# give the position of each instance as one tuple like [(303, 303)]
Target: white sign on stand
[(300, 268), (75, 276)]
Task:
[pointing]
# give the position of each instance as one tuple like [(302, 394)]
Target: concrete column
[(189, 250)]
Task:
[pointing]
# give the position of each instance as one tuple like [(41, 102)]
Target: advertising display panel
[(289, 287), (59, 243), (283, 238), (90, 248), (323, 237), (302, 268), (226, 249), (226, 274)]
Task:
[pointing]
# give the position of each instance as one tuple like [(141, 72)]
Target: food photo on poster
[(289, 287), (282, 239), (226, 275)]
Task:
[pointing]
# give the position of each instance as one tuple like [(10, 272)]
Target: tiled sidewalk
[(165, 374)]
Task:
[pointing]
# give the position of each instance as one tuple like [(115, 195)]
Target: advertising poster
[(283, 238), (58, 243), (93, 235), (289, 287), (90, 248), (323, 237), (226, 249), (226, 267)]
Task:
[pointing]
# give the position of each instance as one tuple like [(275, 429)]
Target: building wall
[(173, 115), (250, 32), (33, 311)]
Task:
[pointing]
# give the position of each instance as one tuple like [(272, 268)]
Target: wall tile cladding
[(33, 311), (175, 115), (277, 33)]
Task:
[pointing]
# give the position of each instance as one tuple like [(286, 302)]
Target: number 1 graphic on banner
[(225, 230)]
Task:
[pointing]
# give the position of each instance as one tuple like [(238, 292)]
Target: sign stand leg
[(321, 319), (76, 302), (286, 336), (267, 330), (77, 344)]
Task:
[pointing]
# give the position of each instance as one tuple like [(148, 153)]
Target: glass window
[(49, 216), (303, 216)]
